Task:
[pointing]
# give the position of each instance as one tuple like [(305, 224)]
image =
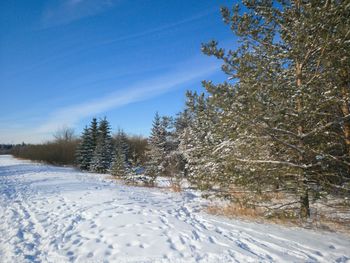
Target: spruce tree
[(87, 146), (197, 142), (85, 150), (177, 160), (121, 141), (119, 165), (157, 149), (103, 154), (120, 160), (94, 132)]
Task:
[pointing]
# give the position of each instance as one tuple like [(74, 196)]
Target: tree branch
[(301, 166)]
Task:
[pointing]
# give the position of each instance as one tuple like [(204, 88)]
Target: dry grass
[(275, 196), (175, 187), (325, 219), (242, 194), (136, 183), (321, 222), (340, 225), (235, 211)]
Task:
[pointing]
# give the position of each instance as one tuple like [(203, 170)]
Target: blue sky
[(63, 62)]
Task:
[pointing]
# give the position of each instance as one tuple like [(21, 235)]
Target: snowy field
[(54, 214)]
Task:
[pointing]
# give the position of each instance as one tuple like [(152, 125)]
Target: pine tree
[(277, 122), (103, 154)]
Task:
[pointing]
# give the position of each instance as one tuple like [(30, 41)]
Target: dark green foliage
[(119, 164), (157, 149), (94, 132), (87, 146), (103, 154), (282, 121), (121, 141), (85, 150), (99, 152), (197, 142)]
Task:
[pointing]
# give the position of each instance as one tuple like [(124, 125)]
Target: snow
[(58, 214)]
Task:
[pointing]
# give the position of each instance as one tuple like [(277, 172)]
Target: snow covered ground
[(55, 214)]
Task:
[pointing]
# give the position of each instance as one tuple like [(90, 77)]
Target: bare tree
[(64, 134)]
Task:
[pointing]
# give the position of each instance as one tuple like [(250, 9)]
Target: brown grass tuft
[(322, 222), (236, 211), (175, 187)]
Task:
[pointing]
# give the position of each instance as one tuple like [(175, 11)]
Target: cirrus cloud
[(65, 12)]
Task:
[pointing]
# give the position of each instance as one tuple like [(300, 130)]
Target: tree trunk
[(304, 193), (346, 112), (304, 201)]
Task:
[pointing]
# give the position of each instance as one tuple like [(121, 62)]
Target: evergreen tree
[(119, 165), (121, 141), (197, 142), (177, 160), (157, 149), (94, 132), (103, 154), (182, 121), (282, 120), (120, 159), (85, 150), (87, 146)]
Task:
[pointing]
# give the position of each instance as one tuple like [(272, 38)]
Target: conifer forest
[(280, 123)]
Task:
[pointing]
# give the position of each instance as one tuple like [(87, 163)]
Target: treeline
[(60, 151), (64, 148), (6, 148), (123, 155), (99, 151)]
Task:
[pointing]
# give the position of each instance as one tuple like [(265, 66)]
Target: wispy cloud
[(30, 127), (67, 11), (49, 20), (161, 28), (178, 77)]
